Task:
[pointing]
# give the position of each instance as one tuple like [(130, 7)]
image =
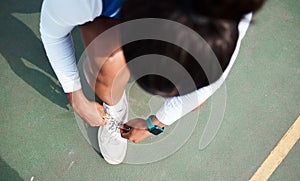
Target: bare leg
[(105, 71)]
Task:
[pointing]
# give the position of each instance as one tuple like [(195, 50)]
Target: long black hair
[(216, 21)]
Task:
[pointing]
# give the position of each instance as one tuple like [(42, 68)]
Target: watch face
[(156, 131)]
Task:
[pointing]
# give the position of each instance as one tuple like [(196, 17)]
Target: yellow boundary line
[(278, 153)]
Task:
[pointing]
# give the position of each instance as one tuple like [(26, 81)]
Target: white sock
[(120, 105)]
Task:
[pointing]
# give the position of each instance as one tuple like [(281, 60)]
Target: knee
[(118, 79), (113, 73), (103, 80)]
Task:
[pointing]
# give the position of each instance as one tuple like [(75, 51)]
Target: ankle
[(120, 105)]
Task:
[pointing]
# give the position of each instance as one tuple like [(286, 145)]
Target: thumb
[(125, 128), (101, 114)]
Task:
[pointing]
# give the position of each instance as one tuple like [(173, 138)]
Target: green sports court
[(41, 140)]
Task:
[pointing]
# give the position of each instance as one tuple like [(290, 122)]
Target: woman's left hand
[(135, 130)]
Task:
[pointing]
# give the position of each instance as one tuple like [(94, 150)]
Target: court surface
[(40, 138)]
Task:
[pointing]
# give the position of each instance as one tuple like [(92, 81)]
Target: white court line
[(278, 153)]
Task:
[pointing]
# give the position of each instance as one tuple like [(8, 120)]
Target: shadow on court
[(7, 172), (24, 51)]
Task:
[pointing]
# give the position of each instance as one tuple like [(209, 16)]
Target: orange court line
[(278, 154)]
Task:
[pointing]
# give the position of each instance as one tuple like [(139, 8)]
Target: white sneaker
[(112, 146)]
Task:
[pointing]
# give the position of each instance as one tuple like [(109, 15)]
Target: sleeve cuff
[(71, 86)]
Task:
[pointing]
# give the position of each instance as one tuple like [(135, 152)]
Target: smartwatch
[(156, 130)]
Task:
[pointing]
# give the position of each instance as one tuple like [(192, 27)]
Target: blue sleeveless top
[(111, 8)]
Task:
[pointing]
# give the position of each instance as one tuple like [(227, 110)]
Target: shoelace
[(113, 124)]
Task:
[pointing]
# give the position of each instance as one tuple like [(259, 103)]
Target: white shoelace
[(113, 125), (114, 119)]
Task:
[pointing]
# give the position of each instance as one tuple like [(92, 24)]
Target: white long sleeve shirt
[(176, 107), (59, 17)]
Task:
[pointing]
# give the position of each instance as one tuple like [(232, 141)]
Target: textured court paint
[(39, 136), (279, 153)]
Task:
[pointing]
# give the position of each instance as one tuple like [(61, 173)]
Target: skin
[(101, 82), (138, 128), (104, 66), (108, 83), (86, 109)]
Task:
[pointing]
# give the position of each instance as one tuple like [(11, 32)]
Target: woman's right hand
[(91, 112)]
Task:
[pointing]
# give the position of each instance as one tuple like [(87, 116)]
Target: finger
[(125, 128), (125, 135), (98, 122), (100, 109), (136, 141), (93, 124), (103, 121)]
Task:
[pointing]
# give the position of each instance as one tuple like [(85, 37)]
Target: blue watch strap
[(151, 126)]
